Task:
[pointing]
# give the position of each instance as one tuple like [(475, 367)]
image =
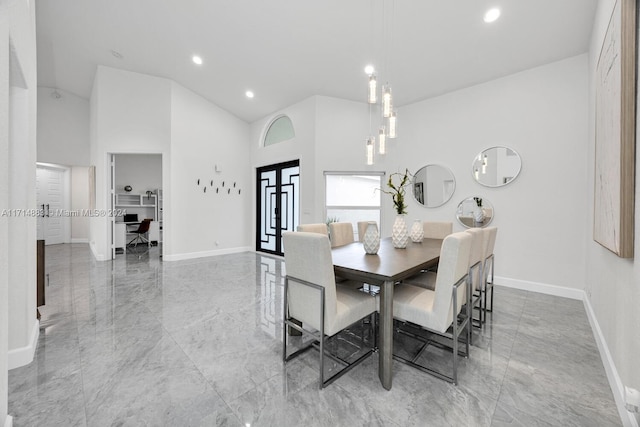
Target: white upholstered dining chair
[(487, 269), (362, 228), (312, 297), (437, 229), (476, 262), (439, 311), (319, 228), (341, 233)]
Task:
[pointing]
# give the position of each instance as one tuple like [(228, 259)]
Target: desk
[(124, 231), (385, 268)]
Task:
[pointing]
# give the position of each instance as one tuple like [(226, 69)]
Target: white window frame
[(378, 208)]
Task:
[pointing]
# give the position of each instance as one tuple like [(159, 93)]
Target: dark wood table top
[(352, 262)]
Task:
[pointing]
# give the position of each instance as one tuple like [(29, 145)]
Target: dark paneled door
[(277, 204)]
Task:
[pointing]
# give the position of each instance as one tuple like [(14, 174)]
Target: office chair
[(143, 229)]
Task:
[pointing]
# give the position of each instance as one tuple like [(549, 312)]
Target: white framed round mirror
[(496, 166), (433, 185), (474, 212)]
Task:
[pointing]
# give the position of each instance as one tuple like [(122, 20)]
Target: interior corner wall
[(63, 128), (204, 136), (301, 147), (143, 172), (541, 215), (613, 284), (130, 113)]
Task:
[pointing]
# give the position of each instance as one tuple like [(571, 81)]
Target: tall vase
[(371, 239), (417, 231), (399, 232)]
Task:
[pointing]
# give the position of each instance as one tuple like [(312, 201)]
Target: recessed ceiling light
[(249, 94), (369, 70), (492, 15), (196, 60), (116, 54)]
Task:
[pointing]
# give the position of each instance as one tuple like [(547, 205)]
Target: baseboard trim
[(542, 288), (628, 419), (96, 255), (24, 355), (617, 388), (9, 421), (202, 254), (80, 240)]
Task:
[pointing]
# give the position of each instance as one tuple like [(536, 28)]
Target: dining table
[(384, 269)]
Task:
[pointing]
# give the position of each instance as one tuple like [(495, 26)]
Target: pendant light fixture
[(388, 127)]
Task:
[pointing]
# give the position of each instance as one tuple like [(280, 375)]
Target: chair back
[(362, 228), (489, 244), (490, 241), (307, 257), (144, 226), (453, 265), (320, 228), (437, 229), (476, 255), (341, 233)]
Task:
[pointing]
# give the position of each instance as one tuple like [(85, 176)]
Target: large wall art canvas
[(615, 133)]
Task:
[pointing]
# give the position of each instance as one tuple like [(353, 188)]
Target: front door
[(277, 204), (50, 194)]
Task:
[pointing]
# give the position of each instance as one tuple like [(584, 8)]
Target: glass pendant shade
[(393, 125), (371, 142), (387, 106), (373, 88), (382, 141)]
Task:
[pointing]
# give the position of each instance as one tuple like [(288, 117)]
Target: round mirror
[(496, 166), (474, 212), (433, 185)]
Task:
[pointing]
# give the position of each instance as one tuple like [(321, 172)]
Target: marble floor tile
[(141, 342)]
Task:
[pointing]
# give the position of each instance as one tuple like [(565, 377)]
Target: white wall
[(17, 186), (612, 283), (136, 113), (4, 202), (542, 114), (301, 147), (143, 172), (130, 113), (63, 128), (203, 136)]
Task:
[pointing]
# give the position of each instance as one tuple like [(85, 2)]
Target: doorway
[(135, 187), (277, 202), (52, 195)]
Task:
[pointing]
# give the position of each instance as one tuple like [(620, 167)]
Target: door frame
[(66, 198), (111, 196), (278, 167)]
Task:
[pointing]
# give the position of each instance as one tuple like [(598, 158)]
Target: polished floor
[(139, 342)]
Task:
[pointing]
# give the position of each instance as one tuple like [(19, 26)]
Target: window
[(353, 197), (280, 129)]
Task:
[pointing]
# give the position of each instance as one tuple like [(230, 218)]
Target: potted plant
[(399, 232)]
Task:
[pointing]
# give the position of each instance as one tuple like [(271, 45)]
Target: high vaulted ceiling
[(288, 50)]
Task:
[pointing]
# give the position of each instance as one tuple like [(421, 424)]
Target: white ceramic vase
[(399, 232), (371, 239), (479, 215), (417, 231)]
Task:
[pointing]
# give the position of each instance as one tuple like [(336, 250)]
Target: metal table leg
[(385, 350)]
